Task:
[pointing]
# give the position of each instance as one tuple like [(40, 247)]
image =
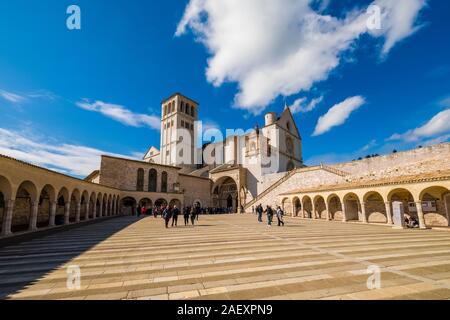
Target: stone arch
[(335, 208), (85, 202), (175, 202), (161, 203), (352, 206), (436, 205), (406, 198), (152, 180), (320, 207), (164, 182), (26, 198), (140, 180), (75, 199), (47, 197), (197, 202), (145, 202), (226, 193), (375, 207), (307, 207), (62, 200), (297, 206), (128, 205)]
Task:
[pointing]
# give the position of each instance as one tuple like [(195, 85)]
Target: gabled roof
[(287, 111), (152, 148)]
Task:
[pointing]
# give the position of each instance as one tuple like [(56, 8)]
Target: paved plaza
[(228, 257)]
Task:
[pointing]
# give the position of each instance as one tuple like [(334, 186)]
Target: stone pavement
[(228, 257)]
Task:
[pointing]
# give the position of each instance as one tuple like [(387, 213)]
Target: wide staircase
[(287, 176)]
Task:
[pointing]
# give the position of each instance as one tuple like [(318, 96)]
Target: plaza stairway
[(277, 187), (228, 257)]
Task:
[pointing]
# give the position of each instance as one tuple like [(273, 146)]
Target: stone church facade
[(260, 166)]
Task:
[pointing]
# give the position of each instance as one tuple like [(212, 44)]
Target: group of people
[(171, 213), (270, 213), (411, 222)]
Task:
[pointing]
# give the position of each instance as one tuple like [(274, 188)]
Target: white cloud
[(398, 20), (338, 114), (283, 47), (301, 106), (121, 114), (66, 158), (438, 125), (12, 97)]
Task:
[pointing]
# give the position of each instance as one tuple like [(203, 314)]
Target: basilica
[(225, 174)]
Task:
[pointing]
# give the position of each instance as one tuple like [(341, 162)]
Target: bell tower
[(178, 116)]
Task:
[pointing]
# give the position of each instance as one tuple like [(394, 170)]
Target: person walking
[(280, 214), (175, 213), (143, 211), (155, 212), (166, 215), (197, 212), (138, 211), (186, 213), (269, 212), (259, 211), (193, 214)]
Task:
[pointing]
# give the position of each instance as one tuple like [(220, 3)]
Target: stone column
[(86, 215), (327, 207), (7, 218), (94, 211), (363, 212), (67, 213), (314, 213), (421, 215), (100, 210), (78, 212), (389, 213), (34, 216), (52, 214), (344, 212)]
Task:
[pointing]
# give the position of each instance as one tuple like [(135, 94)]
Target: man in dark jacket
[(175, 213), (269, 212), (167, 214), (259, 211)]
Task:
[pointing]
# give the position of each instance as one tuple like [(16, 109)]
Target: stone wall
[(122, 174), (196, 189), (413, 162)]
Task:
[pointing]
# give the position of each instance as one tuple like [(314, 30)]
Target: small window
[(192, 111), (187, 108), (182, 123), (182, 106), (192, 127)]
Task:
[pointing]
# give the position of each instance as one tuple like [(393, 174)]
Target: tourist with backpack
[(280, 214)]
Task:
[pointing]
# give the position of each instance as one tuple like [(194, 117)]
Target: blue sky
[(67, 96)]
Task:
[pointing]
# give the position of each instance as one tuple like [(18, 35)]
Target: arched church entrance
[(225, 194)]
